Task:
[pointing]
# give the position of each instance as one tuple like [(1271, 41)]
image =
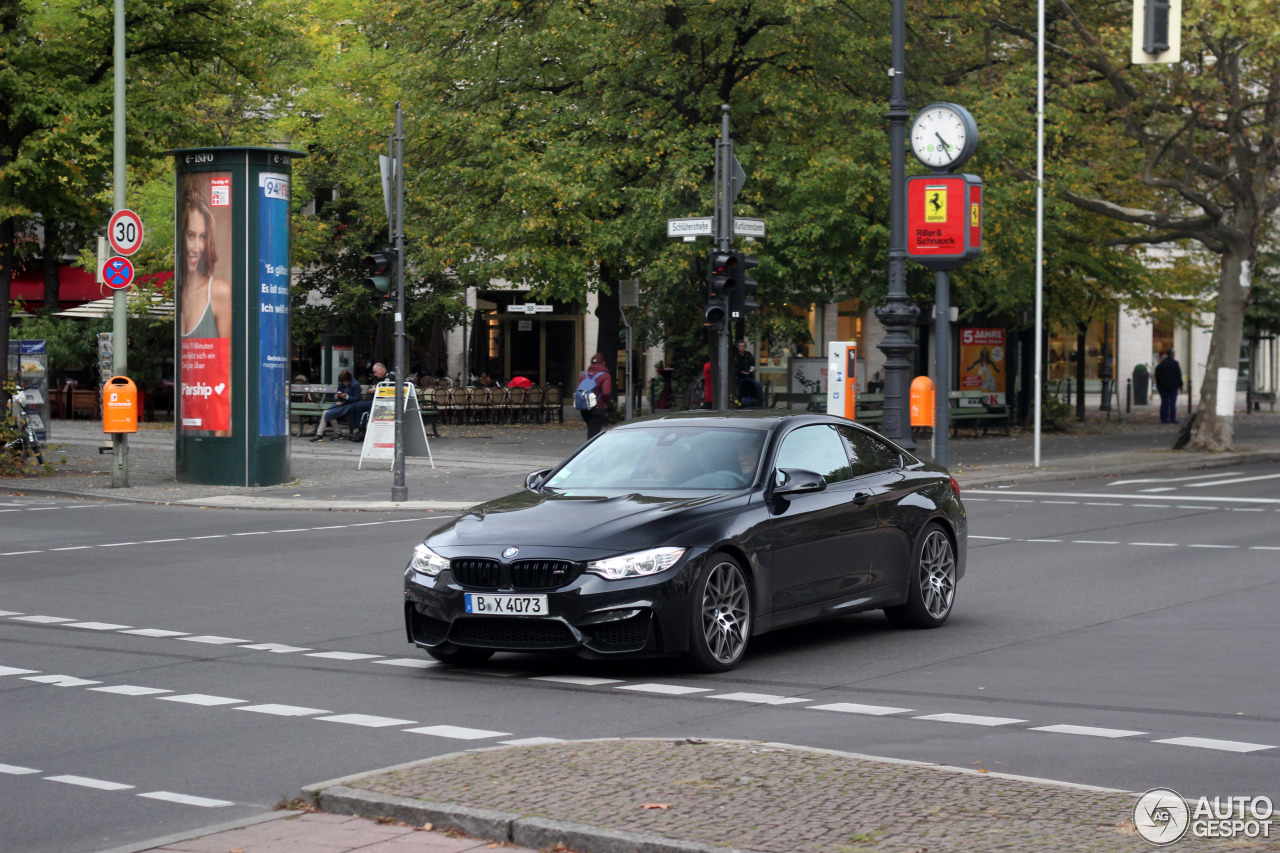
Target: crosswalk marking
[(1088, 731), (970, 719), (668, 689), (186, 799), (130, 690), (1209, 743), (60, 680), (457, 732), (86, 782), (283, 710), (367, 720), (201, 699), (854, 708), (757, 698)]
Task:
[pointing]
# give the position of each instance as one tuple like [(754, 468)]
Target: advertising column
[(231, 271)]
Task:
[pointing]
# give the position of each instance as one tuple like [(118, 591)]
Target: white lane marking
[(854, 708), (1189, 506), (1090, 731), (1156, 544), (530, 741), (411, 663), (1094, 542), (111, 545), (1233, 481), (969, 719), (155, 632), (457, 732), (1159, 489), (96, 626), (1041, 540), (275, 648), (584, 680), (186, 799), (13, 670), (214, 641), (1012, 501), (1151, 506), (1163, 479), (43, 620), (1213, 546), (342, 655), (73, 548), (668, 689), (14, 770), (1264, 547), (212, 536), (130, 690), (86, 782), (331, 527), (19, 553), (994, 538), (1245, 509), (757, 698), (283, 710), (1072, 503), (293, 530), (10, 613), (368, 720), (1103, 503), (159, 541), (59, 680), (201, 699), (1138, 497), (252, 533), (1222, 745)]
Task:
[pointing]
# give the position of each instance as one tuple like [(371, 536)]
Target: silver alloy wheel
[(937, 574), (726, 612)]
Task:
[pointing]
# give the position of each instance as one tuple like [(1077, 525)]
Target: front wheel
[(721, 616), (931, 590), (460, 655)]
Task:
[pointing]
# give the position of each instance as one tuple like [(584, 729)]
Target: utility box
[(119, 405)]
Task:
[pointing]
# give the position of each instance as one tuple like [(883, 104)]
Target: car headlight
[(635, 565), (427, 562)]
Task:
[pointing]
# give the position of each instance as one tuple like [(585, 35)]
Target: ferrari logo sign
[(935, 208)]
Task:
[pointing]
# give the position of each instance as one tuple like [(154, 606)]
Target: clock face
[(943, 135)]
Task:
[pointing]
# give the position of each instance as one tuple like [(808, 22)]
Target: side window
[(815, 448), (869, 454)]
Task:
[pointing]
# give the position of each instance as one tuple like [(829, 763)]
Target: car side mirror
[(796, 481), (534, 480)]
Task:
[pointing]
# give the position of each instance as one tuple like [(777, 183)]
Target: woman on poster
[(205, 323)]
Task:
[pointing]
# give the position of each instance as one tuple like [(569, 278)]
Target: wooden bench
[(970, 408), (869, 409), (308, 402), (813, 402)]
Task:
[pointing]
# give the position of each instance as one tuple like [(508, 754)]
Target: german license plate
[(506, 605)]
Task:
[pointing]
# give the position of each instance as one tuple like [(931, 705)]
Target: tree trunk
[(1212, 431), (6, 277), (608, 340), (52, 261)]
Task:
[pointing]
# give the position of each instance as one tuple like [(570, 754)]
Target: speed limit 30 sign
[(125, 232)]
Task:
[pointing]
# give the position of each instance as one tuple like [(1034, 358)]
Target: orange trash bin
[(119, 405), (922, 411)]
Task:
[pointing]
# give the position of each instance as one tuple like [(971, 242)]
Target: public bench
[(813, 402), (869, 409), (971, 409), (307, 402)]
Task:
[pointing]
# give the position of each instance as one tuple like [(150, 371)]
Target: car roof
[(738, 418)]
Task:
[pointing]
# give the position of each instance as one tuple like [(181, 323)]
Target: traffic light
[(1155, 26), (381, 267), (743, 286), (719, 282)]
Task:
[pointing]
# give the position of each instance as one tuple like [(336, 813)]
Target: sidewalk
[(649, 796)]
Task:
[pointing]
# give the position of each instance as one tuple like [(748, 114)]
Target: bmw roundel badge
[(510, 552)]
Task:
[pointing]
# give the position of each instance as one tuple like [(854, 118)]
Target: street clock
[(943, 136)]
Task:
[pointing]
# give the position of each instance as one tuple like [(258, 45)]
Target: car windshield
[(665, 457)]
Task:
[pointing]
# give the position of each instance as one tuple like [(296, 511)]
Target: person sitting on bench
[(347, 396)]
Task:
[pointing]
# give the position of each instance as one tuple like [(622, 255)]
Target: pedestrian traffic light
[(742, 286), (381, 269), (715, 312)]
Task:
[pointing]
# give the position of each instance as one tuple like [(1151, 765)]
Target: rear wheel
[(931, 590), (460, 655), (721, 616)]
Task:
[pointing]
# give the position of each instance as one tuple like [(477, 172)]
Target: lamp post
[(897, 315)]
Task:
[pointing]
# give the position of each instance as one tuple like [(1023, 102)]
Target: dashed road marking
[(283, 710), (1209, 743), (457, 732), (14, 770), (367, 720), (203, 699), (758, 698), (970, 719), (59, 680), (213, 641), (186, 799), (854, 708), (668, 689), (130, 690), (342, 655), (409, 663), (86, 782), (1088, 731), (584, 680)]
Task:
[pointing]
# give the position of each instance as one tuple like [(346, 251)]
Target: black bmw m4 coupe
[(685, 535)]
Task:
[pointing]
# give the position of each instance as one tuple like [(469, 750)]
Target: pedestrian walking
[(594, 415), (1168, 383)]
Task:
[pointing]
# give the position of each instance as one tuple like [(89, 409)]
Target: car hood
[(601, 522)]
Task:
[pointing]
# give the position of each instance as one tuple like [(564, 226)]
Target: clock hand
[(945, 146)]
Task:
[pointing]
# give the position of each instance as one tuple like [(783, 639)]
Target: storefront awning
[(104, 307)]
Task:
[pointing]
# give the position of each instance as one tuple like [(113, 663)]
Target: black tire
[(460, 655), (720, 616), (931, 588)]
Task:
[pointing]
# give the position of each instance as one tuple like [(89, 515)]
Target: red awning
[(76, 286)]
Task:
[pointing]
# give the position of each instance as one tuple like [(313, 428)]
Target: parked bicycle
[(24, 444)]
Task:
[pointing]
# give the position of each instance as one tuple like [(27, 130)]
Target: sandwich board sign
[(380, 434)]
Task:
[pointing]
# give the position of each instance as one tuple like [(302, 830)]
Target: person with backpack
[(591, 398)]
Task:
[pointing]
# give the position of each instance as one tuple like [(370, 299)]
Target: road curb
[(178, 837)]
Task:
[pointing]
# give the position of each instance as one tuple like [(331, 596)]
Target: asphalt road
[(1116, 632)]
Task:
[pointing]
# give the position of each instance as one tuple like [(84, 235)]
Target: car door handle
[(861, 498)]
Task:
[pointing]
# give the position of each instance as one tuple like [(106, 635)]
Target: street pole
[(724, 241), (942, 360), (897, 315), (399, 492), (119, 327)]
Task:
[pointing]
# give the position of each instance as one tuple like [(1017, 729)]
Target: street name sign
[(748, 227), (125, 231), (689, 229)]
